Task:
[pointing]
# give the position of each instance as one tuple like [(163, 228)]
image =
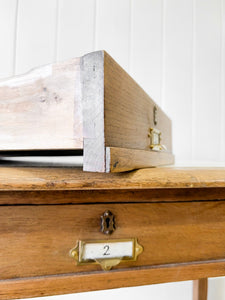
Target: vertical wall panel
[(223, 83), (112, 29), (7, 36), (216, 288), (207, 96), (36, 33), (76, 26), (177, 85), (146, 45)]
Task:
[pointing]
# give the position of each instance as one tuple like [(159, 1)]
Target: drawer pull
[(107, 253)]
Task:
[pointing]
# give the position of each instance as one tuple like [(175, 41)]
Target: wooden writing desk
[(177, 215)]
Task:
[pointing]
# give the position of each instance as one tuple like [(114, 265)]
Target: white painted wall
[(173, 48)]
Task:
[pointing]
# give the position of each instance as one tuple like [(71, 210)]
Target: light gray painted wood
[(92, 72)]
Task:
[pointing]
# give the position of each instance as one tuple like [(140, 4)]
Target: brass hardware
[(155, 140), (126, 250), (107, 222)]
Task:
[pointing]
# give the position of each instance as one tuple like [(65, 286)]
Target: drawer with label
[(37, 240)]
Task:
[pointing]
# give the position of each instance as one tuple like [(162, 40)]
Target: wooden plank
[(117, 113), (36, 240), (28, 178), (36, 34), (34, 107), (8, 12), (123, 159), (200, 289), (110, 196), (129, 111), (70, 283), (92, 73)]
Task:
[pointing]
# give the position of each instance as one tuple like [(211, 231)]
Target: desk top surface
[(66, 178)]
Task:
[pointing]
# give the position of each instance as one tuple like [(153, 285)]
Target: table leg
[(200, 289)]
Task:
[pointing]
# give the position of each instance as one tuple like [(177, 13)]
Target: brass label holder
[(155, 140), (107, 253)]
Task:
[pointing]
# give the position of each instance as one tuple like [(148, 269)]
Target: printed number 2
[(107, 250)]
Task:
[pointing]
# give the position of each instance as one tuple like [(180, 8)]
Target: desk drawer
[(36, 240)]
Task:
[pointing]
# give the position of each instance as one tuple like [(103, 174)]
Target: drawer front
[(36, 240)]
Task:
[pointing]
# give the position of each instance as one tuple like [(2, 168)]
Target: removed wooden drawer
[(87, 104)]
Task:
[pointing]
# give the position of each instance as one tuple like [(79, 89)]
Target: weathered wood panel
[(89, 103), (118, 113), (129, 111), (124, 159), (42, 109), (92, 73), (27, 178)]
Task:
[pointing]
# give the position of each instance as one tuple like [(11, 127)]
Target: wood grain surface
[(110, 196), (71, 283), (36, 178), (42, 109), (124, 159), (129, 111), (85, 103), (119, 114), (36, 240), (182, 233)]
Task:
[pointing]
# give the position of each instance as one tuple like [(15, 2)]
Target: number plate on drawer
[(107, 253)]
